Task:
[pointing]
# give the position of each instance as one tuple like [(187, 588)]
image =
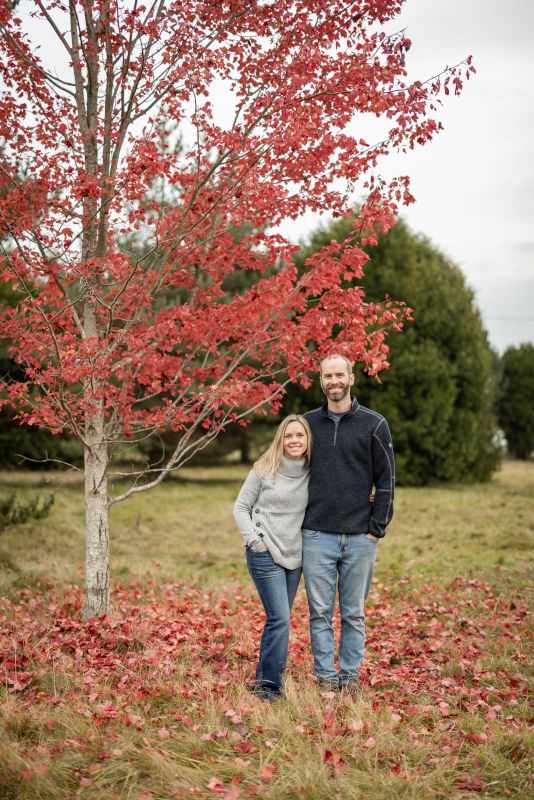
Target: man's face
[(335, 379)]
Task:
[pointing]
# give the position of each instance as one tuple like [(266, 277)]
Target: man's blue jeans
[(277, 588), (345, 560)]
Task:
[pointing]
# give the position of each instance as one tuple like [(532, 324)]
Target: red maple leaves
[(95, 329), (410, 650), (170, 657)]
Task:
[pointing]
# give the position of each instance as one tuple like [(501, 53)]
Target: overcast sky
[(474, 184)]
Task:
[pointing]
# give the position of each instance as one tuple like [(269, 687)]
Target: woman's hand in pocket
[(257, 546)]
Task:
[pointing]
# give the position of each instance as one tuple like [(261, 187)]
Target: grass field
[(153, 702)]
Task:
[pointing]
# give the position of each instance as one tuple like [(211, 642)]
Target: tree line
[(446, 392)]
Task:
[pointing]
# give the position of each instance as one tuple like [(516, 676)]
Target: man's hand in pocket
[(371, 537)]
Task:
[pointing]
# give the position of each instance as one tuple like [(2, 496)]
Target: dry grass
[(184, 530), (432, 641)]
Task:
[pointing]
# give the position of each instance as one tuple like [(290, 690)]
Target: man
[(352, 453)]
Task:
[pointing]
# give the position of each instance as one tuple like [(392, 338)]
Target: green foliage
[(516, 401), (15, 511), (33, 448), (438, 394), (23, 443)]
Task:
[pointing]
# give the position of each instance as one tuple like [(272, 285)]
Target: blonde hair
[(268, 465)]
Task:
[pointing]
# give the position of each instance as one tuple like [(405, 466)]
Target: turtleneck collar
[(293, 468)]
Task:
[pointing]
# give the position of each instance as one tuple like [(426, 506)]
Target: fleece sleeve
[(383, 479), (243, 507)]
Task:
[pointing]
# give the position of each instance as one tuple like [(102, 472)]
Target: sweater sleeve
[(243, 506), (383, 479)]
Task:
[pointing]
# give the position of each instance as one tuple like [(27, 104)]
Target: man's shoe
[(327, 685), (349, 687)]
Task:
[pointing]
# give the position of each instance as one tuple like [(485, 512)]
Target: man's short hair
[(349, 364)]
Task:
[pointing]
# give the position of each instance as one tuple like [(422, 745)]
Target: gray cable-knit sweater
[(272, 512)]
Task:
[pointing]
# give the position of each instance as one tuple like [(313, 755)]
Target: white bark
[(97, 513)]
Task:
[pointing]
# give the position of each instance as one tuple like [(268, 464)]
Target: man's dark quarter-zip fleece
[(347, 460)]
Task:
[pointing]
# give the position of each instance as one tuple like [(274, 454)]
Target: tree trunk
[(244, 446), (96, 514)]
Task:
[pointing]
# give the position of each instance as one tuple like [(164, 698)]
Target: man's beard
[(338, 394)]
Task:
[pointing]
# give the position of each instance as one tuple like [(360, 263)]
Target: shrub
[(14, 510)]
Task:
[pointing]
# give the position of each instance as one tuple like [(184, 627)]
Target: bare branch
[(48, 460), (185, 451)]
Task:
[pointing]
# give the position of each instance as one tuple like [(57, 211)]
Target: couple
[(307, 506)]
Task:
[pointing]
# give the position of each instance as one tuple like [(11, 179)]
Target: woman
[(269, 511)]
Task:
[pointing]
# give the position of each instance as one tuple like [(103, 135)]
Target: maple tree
[(105, 359)]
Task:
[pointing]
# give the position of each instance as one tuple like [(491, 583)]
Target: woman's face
[(295, 440)]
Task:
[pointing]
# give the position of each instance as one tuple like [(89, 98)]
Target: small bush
[(14, 510)]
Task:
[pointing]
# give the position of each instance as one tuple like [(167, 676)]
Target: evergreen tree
[(24, 445), (516, 401), (438, 394)]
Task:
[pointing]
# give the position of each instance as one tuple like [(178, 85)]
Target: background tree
[(516, 400), (439, 391), (105, 360), (25, 445), (19, 443), (246, 440)]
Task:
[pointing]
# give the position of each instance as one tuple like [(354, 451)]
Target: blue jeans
[(277, 588), (345, 560)]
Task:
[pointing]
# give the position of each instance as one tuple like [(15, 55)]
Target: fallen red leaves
[(416, 644), (333, 761), (421, 662)]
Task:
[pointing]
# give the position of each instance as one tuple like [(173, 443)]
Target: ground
[(152, 702)]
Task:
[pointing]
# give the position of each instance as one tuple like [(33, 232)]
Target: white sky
[(474, 185)]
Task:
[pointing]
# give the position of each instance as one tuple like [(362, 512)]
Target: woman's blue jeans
[(277, 588)]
